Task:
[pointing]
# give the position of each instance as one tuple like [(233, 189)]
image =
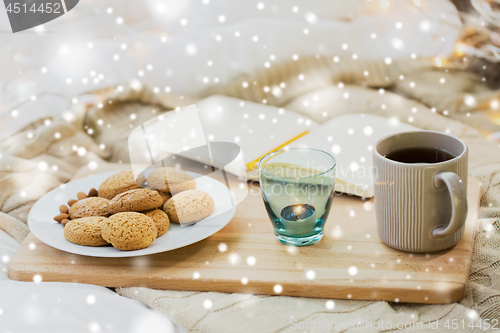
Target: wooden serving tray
[(322, 270)]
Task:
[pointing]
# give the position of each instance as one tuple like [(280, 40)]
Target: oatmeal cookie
[(129, 231), (135, 201), (93, 206), (116, 184), (170, 180), (85, 231), (189, 206), (161, 220)]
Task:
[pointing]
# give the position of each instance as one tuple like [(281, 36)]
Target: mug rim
[(284, 150), (463, 153)]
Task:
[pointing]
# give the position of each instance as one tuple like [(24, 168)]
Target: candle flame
[(438, 62), (298, 209)]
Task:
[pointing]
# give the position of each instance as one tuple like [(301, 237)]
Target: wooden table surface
[(350, 262)]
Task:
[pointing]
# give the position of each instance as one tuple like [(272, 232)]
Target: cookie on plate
[(189, 206), (116, 184), (93, 206), (170, 180), (129, 231), (161, 220), (85, 231), (164, 197), (135, 201)]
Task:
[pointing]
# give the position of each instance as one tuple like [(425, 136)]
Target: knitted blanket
[(92, 138)]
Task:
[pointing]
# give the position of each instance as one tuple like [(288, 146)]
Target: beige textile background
[(52, 151)]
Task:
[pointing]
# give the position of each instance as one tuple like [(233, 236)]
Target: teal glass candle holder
[(297, 187)]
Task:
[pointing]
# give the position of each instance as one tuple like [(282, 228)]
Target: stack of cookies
[(131, 217)]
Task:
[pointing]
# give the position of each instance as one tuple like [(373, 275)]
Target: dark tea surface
[(420, 155)]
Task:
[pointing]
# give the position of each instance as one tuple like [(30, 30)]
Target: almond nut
[(63, 209), (61, 217), (93, 192), (81, 195), (63, 222), (71, 202)]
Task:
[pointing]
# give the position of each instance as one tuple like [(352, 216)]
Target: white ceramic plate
[(42, 225)]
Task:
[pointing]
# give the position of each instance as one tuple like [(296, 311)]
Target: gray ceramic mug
[(420, 207)]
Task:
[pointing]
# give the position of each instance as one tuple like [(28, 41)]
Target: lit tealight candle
[(297, 212)]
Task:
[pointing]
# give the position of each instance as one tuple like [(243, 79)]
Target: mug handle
[(458, 203)]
